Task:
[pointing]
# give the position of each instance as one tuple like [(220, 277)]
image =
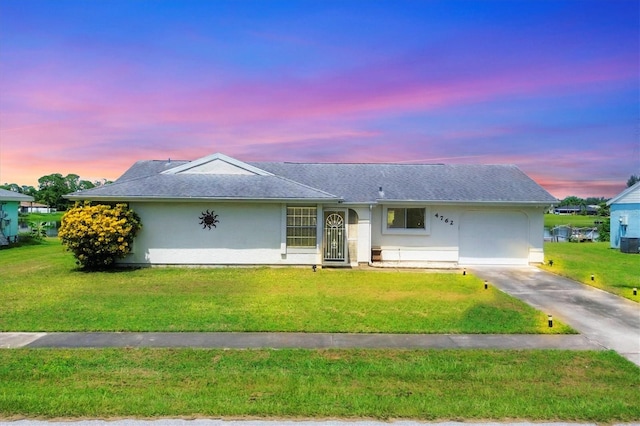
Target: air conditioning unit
[(629, 245)]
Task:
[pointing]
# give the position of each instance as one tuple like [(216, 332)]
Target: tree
[(633, 179), (29, 190), (52, 187), (98, 234), (604, 230), (12, 187), (74, 183), (572, 200), (604, 209)]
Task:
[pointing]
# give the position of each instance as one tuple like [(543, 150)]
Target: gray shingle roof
[(147, 168), (6, 195), (145, 180), (416, 182), (351, 183)]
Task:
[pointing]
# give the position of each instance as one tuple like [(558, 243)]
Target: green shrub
[(38, 230), (99, 234), (604, 230)]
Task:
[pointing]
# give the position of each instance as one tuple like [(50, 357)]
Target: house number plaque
[(444, 219)]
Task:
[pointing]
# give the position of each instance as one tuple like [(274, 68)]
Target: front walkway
[(296, 340)]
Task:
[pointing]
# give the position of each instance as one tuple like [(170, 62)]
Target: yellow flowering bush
[(98, 234)]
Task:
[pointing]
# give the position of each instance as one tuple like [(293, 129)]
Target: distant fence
[(563, 233)]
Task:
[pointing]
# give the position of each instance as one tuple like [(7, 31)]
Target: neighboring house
[(588, 210), (625, 218), (9, 206), (31, 207), (221, 211)]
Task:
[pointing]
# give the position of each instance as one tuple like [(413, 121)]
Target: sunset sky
[(89, 87)]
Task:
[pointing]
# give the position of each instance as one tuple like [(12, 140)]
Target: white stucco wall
[(437, 245), (363, 250), (246, 234), (440, 244), (255, 234)]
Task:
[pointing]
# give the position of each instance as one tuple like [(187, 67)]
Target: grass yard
[(613, 271), (41, 290), (579, 221), (551, 385), (43, 217)]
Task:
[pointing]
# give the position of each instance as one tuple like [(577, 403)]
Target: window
[(301, 226), (405, 218)]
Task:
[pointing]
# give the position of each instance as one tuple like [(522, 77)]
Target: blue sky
[(89, 87)]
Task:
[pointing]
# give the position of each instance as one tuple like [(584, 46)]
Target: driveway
[(608, 320)]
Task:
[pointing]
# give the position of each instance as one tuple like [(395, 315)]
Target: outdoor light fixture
[(635, 291), (314, 268), (464, 271), (550, 317), (485, 284), (592, 277), (550, 262)]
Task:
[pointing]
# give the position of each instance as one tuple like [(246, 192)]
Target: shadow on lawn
[(108, 270)]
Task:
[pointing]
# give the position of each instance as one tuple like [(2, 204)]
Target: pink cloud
[(101, 121)]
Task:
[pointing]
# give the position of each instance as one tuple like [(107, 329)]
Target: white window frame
[(314, 226), (406, 231)]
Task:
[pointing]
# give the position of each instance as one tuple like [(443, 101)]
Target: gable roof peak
[(625, 193), (217, 164)]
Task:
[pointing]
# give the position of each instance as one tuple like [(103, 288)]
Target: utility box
[(629, 245)]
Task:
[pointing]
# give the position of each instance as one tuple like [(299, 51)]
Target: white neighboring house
[(218, 210), (33, 207), (625, 219)]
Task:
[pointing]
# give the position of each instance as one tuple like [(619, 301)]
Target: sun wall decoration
[(208, 219)]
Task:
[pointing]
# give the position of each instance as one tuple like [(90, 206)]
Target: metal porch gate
[(334, 237)]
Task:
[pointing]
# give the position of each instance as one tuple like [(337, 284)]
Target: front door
[(334, 236)]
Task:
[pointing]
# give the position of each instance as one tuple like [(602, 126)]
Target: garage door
[(494, 238)]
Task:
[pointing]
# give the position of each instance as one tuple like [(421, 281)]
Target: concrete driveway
[(606, 319)]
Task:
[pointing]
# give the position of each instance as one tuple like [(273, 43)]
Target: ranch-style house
[(218, 210)]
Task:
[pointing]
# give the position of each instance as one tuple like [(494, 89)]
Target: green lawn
[(613, 271), (552, 385), (41, 290), (43, 217), (579, 221)]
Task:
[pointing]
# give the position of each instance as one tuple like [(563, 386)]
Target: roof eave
[(470, 202), (197, 199)]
